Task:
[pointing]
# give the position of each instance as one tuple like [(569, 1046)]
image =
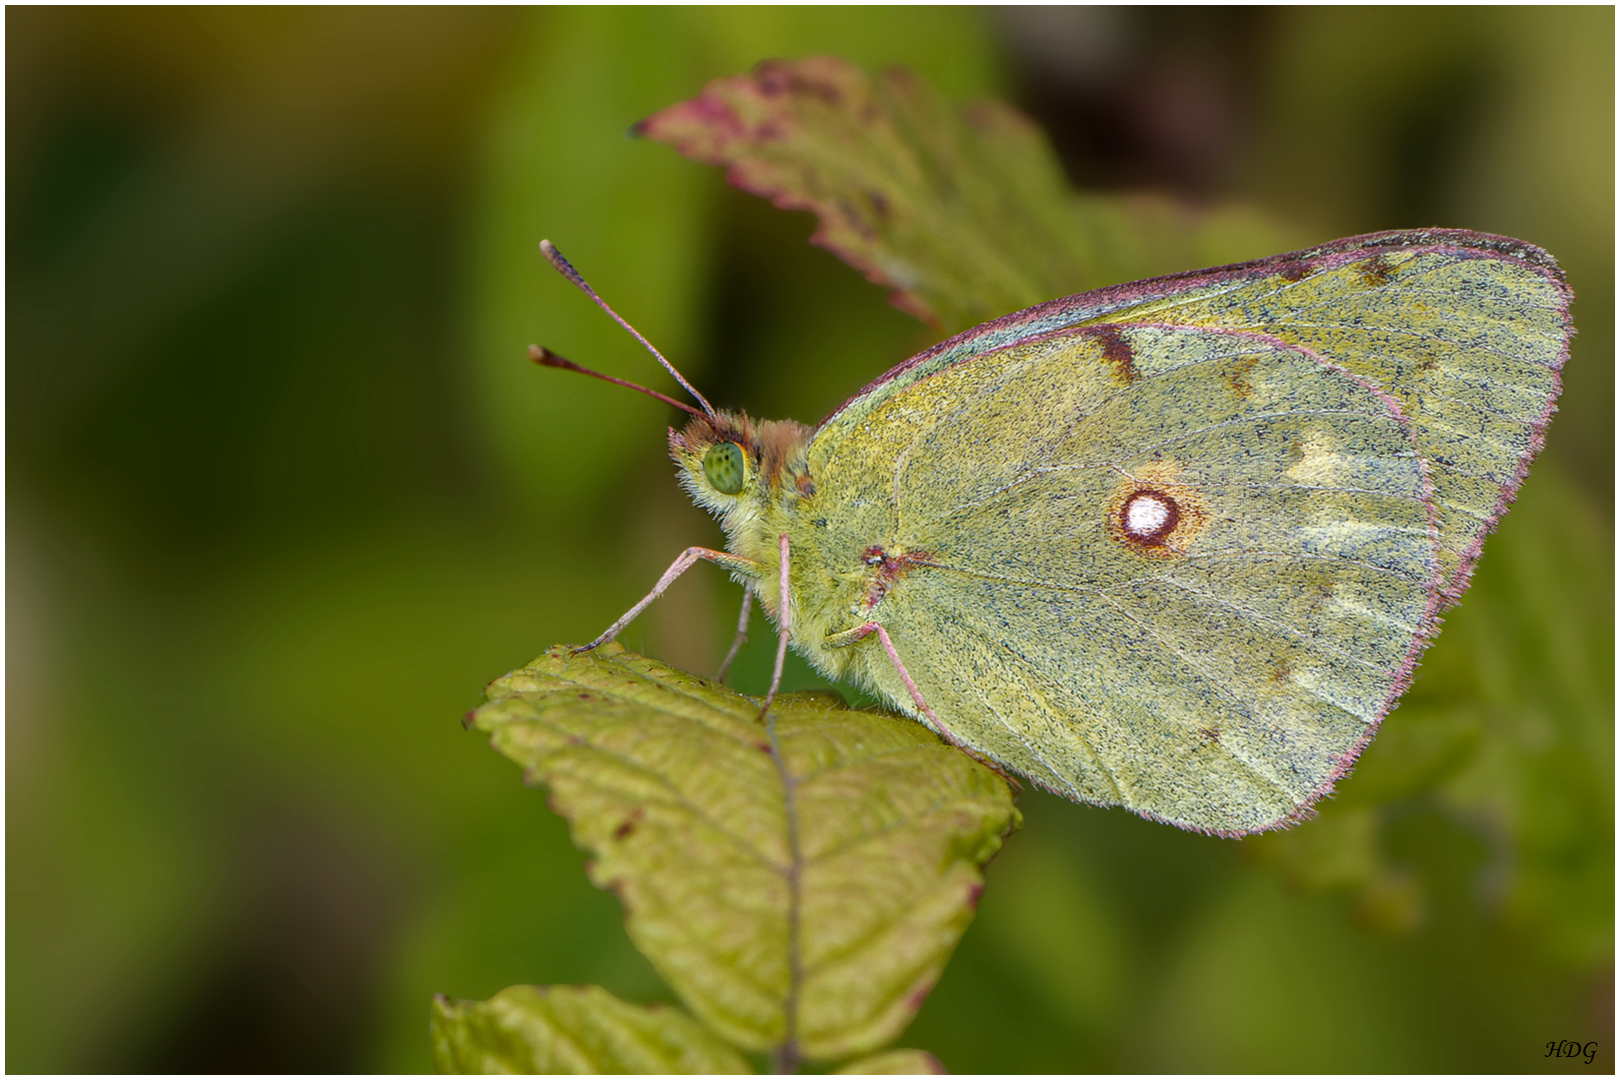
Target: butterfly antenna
[(546, 358), (566, 269)]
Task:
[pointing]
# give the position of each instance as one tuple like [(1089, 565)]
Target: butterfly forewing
[(1178, 569), (1471, 347), (1467, 332)]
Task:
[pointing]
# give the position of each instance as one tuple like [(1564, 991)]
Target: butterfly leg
[(849, 637), (742, 632), (688, 559), (784, 628)]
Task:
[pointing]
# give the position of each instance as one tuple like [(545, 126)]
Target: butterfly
[(1176, 545)]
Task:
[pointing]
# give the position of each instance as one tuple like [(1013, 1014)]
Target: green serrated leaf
[(965, 213), (799, 885), (894, 1063), (946, 209), (572, 1029)]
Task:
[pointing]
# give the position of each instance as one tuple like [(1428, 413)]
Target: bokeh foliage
[(284, 494)]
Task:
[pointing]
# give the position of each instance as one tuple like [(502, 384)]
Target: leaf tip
[(914, 306)]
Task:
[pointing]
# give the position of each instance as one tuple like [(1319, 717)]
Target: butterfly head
[(734, 466)]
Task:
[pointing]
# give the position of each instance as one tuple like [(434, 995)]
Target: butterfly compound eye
[(723, 465)]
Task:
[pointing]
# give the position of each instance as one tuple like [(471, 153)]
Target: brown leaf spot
[(628, 825), (1213, 734), (776, 78), (772, 77), (975, 891), (471, 718)]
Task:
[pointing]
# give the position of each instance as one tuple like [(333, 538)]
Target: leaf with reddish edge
[(964, 213)]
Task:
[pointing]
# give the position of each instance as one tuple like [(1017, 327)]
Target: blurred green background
[(284, 493)]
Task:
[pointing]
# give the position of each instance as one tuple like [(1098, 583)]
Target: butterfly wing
[(1468, 332), (1178, 569)]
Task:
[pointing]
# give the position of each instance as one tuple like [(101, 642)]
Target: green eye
[(723, 465)]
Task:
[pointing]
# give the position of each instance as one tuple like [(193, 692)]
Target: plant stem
[(785, 1058)]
